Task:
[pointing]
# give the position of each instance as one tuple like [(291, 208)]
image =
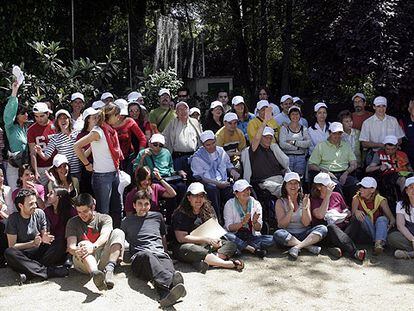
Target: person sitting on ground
[(360, 114), (202, 252), (319, 131), (6, 209), (373, 213), (212, 166), (231, 138), (329, 208), (93, 243), (145, 232), (403, 238), (243, 220), (160, 117), (59, 176), (243, 115), (214, 117), (32, 250), (350, 134), (143, 181), (294, 140), (263, 109), (27, 181), (294, 219)]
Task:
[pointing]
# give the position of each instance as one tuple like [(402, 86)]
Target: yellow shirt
[(230, 141), (254, 125)]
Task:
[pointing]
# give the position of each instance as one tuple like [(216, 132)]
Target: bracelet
[(89, 163)]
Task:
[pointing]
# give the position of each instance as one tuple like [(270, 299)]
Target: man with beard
[(162, 116), (360, 114)]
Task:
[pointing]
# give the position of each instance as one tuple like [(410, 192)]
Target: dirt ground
[(275, 283)]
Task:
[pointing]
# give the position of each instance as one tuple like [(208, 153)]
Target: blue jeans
[(377, 231), (256, 241), (297, 163), (108, 199), (282, 236)]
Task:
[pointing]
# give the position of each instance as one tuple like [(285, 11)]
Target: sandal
[(238, 264), (401, 254), (360, 254)]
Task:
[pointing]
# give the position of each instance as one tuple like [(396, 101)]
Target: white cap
[(359, 95), (89, 112), (368, 182), (207, 135), (164, 91), (123, 105), (230, 116), (294, 108), (106, 95), (215, 104), (409, 181), (319, 106), (143, 107), (59, 159), (262, 103), (335, 127), (324, 179), (196, 188), (380, 101), (296, 99), (241, 185), (285, 98), (180, 104), (62, 111), (291, 176), (390, 139), (133, 96), (268, 131), (76, 96), (195, 109), (157, 138), (41, 108), (237, 100), (98, 104)]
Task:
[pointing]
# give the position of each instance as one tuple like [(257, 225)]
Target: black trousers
[(157, 268), (338, 238), (3, 239), (34, 261)]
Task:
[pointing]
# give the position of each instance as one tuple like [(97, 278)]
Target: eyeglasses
[(158, 145)]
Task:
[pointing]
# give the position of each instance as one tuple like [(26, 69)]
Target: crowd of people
[(78, 186)]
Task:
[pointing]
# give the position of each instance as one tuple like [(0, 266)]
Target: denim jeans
[(297, 163), (282, 236), (108, 199), (256, 241), (379, 230)]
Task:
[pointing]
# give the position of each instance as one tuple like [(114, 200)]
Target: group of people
[(65, 198)]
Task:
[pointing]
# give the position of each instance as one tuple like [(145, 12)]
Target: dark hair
[(315, 192), (22, 169), (85, 125), (56, 123), (406, 204), (294, 109), (54, 172), (209, 118), (21, 196), (84, 199), (184, 89), (141, 173), (285, 194), (221, 91), (21, 109), (65, 204), (141, 117), (344, 114), (142, 195), (266, 89), (206, 212), (245, 111)]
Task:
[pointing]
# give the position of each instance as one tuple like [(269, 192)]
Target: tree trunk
[(263, 41), (286, 49)]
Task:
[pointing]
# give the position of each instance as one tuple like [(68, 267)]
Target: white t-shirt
[(102, 158), (399, 209), (232, 216)]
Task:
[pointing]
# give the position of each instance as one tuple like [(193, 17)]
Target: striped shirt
[(64, 145)]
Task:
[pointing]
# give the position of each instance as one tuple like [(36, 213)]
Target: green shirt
[(16, 134), (332, 158), (162, 161), (156, 116)]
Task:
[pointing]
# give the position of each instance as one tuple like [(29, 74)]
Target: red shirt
[(336, 202), (40, 135), (359, 119), (124, 136)]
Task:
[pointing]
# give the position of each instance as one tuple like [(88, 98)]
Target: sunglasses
[(157, 145)]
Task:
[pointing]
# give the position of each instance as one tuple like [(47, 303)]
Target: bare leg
[(310, 240), (293, 241), (218, 261)]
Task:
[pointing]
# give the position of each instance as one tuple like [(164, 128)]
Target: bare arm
[(387, 212), (86, 140), (12, 241), (283, 218), (369, 144), (306, 214), (403, 229), (184, 237)]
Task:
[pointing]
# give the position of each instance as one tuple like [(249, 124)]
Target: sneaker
[(360, 254), (201, 266), (177, 279), (177, 292), (57, 272), (401, 254), (314, 249), (109, 279), (261, 253), (335, 251), (99, 279), (378, 248), (22, 278), (294, 252)]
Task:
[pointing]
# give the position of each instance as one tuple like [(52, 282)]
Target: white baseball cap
[(285, 98), (76, 96), (261, 104), (106, 95), (207, 135), (368, 182), (41, 108), (237, 100), (268, 131), (59, 159), (98, 104), (62, 111), (380, 101), (291, 176), (157, 138), (164, 91), (133, 96), (196, 188), (296, 99), (359, 95), (294, 108), (391, 140), (215, 104), (89, 112), (319, 106), (335, 127), (195, 110), (324, 179), (409, 181), (181, 103), (230, 116), (241, 185), (123, 105)]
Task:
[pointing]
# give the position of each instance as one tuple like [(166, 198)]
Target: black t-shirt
[(264, 164), (185, 222), (144, 233), (26, 229)]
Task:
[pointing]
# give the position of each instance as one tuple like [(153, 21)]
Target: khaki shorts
[(102, 253)]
